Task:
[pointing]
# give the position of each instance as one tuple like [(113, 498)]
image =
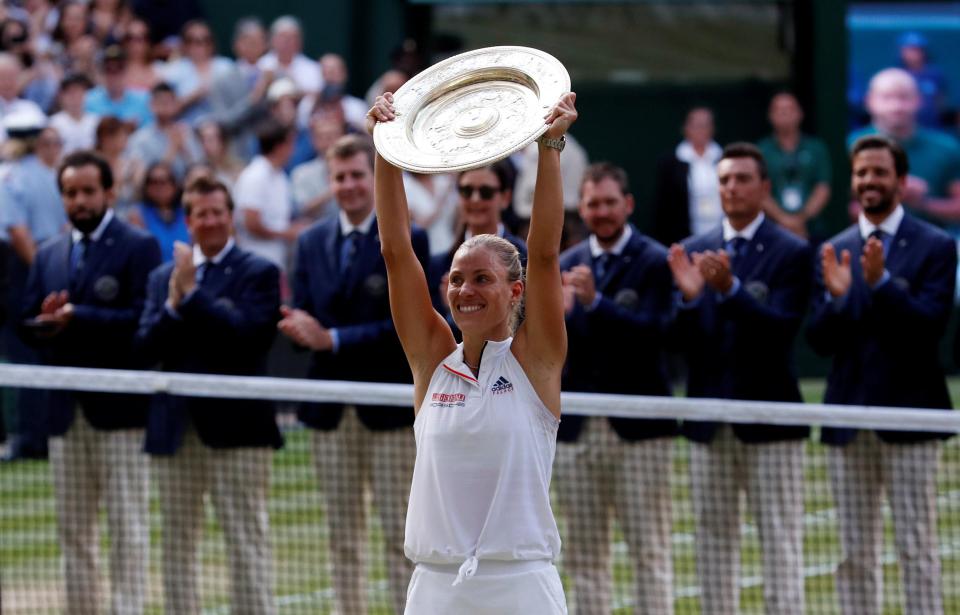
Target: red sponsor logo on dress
[(449, 398)]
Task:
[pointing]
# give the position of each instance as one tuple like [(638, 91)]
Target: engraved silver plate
[(471, 110)]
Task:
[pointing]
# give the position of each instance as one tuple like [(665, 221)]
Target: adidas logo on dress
[(502, 385)]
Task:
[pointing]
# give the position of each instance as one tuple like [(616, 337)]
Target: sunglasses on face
[(485, 192), (197, 40), (153, 181)]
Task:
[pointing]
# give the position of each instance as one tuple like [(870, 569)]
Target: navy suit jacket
[(440, 266), (108, 295), (742, 347), (884, 342), (226, 326), (618, 347), (358, 306)]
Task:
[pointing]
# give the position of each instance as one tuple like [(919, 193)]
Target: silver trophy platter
[(471, 110)]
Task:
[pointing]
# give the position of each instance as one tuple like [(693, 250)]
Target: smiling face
[(874, 181), (481, 296), (84, 197), (352, 181), (209, 220), (482, 198), (605, 209)]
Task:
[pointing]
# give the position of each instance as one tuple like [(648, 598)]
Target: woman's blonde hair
[(508, 256)]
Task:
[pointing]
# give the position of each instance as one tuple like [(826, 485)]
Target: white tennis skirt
[(497, 588)]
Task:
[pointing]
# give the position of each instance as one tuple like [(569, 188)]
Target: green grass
[(32, 579)]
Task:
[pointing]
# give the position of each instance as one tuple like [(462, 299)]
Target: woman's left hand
[(561, 116)]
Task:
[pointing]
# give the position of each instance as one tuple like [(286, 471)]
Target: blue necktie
[(78, 253), (884, 239), (736, 247), (348, 250), (602, 265), (202, 270)]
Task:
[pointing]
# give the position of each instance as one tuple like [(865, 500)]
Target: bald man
[(933, 186)]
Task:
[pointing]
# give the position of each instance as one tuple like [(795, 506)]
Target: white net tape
[(585, 404)]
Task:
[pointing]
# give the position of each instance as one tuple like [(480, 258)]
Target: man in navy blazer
[(213, 310), (879, 311), (619, 300), (742, 296), (85, 292), (342, 314)]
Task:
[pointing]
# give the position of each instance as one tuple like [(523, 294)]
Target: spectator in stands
[(334, 71), (484, 194), (931, 81), (114, 97), (933, 186), (744, 288), (191, 76), (31, 212), (217, 152), (390, 81), (285, 58), (10, 102), (686, 198), (432, 203), (76, 126), (342, 314), (238, 99), (799, 168), (39, 78), (159, 212), (141, 71), (885, 289), (166, 138), (213, 309), (85, 292), (109, 19), (111, 144), (282, 99), (264, 204), (310, 181), (73, 24), (617, 285)]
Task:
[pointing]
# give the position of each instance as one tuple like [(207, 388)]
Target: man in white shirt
[(264, 205), (285, 58), (76, 126)]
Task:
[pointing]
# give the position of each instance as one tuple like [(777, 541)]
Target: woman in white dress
[(479, 523)]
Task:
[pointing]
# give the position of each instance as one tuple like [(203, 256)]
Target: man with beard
[(743, 293), (879, 311), (85, 291), (342, 314), (616, 285)]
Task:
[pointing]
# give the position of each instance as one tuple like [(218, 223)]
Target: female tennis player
[(479, 524)]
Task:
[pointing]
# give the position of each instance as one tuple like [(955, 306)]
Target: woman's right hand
[(382, 111)]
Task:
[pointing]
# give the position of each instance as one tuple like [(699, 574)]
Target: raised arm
[(424, 334), (541, 342)]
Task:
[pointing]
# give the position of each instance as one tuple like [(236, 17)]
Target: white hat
[(284, 86), (24, 120)]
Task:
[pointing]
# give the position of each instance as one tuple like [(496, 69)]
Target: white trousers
[(860, 473), (772, 477), (497, 588), (349, 460), (91, 468), (237, 480), (602, 476)]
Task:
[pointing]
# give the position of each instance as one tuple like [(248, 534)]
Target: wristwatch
[(557, 144)]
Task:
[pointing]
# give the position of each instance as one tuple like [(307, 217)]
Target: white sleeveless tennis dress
[(479, 523)]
